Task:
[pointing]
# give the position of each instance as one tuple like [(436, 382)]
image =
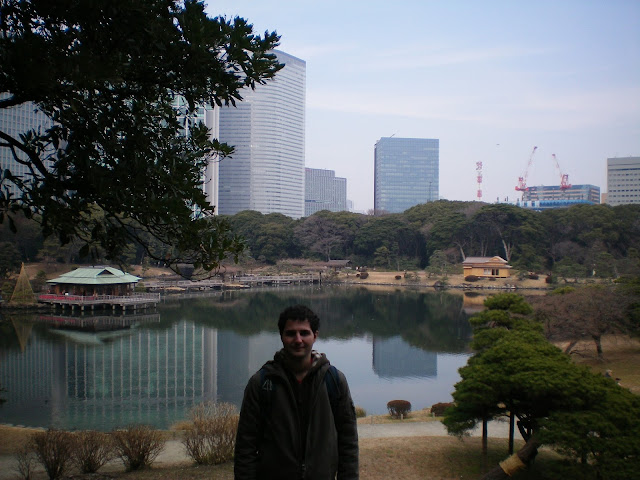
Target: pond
[(391, 344)]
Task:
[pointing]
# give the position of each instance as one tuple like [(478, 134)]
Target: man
[(297, 419)]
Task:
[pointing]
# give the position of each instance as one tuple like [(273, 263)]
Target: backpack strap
[(332, 381)]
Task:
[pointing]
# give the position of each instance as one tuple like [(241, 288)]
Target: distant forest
[(584, 240)]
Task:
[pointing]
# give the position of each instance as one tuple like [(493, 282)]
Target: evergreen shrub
[(399, 408), (437, 409)]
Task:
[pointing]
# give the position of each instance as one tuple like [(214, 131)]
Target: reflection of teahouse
[(486, 267)]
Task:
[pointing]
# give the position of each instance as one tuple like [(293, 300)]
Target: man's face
[(297, 338)]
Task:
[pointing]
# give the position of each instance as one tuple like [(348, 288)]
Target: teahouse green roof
[(95, 276)]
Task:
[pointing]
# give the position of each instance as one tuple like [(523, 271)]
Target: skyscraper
[(210, 117), (15, 121), (266, 172), (623, 180), (324, 191), (406, 173)]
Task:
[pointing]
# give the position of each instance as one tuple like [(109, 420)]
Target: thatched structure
[(23, 293)]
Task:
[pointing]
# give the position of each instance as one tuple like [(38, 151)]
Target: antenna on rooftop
[(479, 179)]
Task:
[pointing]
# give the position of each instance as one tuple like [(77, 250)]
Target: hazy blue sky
[(490, 79)]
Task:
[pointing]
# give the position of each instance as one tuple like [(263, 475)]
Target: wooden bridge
[(231, 282), (276, 279)]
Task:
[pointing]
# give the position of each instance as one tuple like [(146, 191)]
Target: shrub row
[(209, 438)]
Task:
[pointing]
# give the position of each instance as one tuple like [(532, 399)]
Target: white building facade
[(267, 129), (211, 119), (623, 180), (324, 191)]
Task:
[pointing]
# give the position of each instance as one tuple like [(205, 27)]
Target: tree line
[(583, 240)]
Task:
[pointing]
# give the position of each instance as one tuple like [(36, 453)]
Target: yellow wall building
[(486, 267)]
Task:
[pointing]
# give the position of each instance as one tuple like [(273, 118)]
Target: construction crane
[(522, 181), (564, 178)]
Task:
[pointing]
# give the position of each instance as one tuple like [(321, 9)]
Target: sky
[(491, 80)]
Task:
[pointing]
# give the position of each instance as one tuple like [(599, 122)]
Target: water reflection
[(391, 344)]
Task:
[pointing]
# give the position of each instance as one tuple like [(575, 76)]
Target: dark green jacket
[(269, 440)]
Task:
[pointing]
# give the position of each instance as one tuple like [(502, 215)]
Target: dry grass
[(621, 356), (389, 278), (423, 415), (13, 438)]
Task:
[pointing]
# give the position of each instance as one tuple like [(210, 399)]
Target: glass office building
[(15, 121), (267, 128), (623, 180), (324, 191), (406, 173)]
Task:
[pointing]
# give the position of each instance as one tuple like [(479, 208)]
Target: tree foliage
[(114, 146), (573, 314), (516, 371)]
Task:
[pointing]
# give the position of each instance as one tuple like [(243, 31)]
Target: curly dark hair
[(299, 313)]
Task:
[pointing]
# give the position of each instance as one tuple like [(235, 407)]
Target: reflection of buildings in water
[(148, 376), (393, 357), (240, 357)]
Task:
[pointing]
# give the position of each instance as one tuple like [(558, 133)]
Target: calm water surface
[(391, 344)]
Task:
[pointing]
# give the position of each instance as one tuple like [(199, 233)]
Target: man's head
[(299, 313), (298, 331)]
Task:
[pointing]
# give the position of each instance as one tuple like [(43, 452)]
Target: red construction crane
[(522, 181), (479, 178), (564, 177)]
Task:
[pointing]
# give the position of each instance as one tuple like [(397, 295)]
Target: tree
[(112, 73), (9, 259), (438, 264), (516, 370), (387, 231), (320, 234), (587, 312), (269, 237), (511, 225)]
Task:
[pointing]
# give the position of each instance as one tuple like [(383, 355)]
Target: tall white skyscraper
[(211, 119), (623, 180), (266, 172)]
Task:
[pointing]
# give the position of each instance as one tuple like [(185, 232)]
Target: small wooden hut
[(486, 267)]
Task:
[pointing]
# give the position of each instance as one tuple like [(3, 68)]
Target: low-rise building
[(486, 267)]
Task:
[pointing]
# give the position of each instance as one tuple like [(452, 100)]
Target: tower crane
[(522, 181), (564, 177)]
